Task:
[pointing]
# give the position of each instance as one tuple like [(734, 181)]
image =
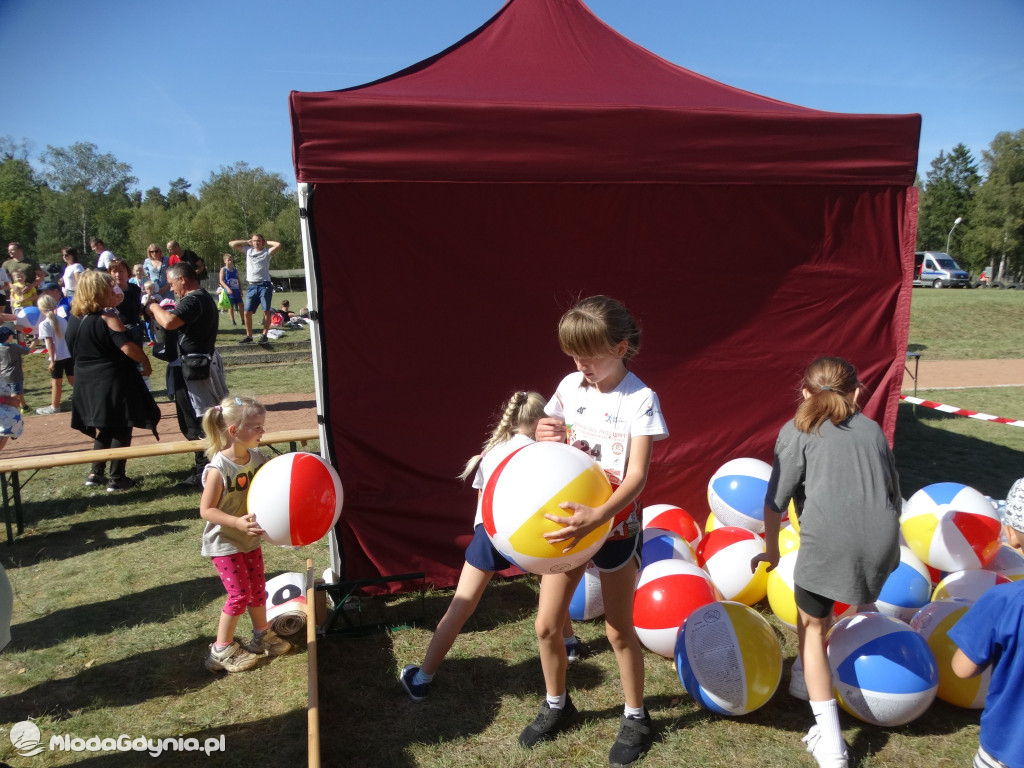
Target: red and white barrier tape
[(961, 411)]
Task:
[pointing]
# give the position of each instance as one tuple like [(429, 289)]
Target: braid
[(522, 409)]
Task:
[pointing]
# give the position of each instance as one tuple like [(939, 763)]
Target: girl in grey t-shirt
[(836, 465)]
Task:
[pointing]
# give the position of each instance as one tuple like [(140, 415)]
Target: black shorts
[(615, 553), (62, 368), (482, 555), (814, 605)]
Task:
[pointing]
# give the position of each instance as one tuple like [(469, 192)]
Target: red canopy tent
[(454, 210)]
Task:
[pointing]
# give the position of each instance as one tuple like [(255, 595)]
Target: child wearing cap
[(992, 633)]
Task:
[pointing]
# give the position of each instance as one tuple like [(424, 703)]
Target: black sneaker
[(633, 740), (245, 340), (264, 339), (193, 479), (416, 692), (120, 484), (94, 480), (547, 723)]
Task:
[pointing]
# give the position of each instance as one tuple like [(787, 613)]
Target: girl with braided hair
[(514, 430)]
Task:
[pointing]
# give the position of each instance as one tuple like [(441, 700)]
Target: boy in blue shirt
[(992, 633)]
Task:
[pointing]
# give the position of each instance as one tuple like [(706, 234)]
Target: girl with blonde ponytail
[(514, 429), (58, 355), (836, 465)]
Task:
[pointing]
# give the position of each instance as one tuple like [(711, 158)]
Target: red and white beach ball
[(672, 518), (736, 493), (296, 498), (951, 527), (531, 482), (933, 623), (725, 553), (667, 592), (1009, 562)]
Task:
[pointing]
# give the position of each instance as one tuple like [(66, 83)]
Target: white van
[(938, 270)]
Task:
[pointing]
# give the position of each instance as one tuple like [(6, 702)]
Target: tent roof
[(546, 92)]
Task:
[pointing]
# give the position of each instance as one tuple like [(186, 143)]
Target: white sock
[(636, 713), (557, 702), (421, 677), (826, 715)]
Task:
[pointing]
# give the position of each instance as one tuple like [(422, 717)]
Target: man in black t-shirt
[(196, 379)]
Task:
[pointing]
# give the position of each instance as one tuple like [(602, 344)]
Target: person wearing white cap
[(991, 634)]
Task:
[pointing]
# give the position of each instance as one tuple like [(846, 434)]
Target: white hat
[(1014, 516)]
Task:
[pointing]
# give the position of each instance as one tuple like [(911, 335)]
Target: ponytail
[(48, 305), (523, 409), (830, 383), (233, 411)]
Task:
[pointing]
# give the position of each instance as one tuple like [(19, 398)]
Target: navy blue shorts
[(259, 294), (615, 553), (481, 553)]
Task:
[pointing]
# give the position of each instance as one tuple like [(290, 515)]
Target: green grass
[(114, 609), (967, 324)]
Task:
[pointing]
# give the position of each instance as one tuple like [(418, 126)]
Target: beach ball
[(725, 554), (712, 523), (780, 590), (951, 527), (728, 658), (933, 623), (659, 544), (968, 585), (587, 601), (1009, 562), (296, 498), (666, 593), (789, 539), (27, 319), (531, 482), (907, 589), (883, 672), (670, 518), (736, 493)]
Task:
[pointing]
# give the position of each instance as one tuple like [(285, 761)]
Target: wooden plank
[(135, 452)]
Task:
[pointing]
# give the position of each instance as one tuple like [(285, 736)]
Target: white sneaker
[(47, 411), (797, 684), (825, 759)]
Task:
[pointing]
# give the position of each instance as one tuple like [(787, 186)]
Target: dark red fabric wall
[(434, 312)]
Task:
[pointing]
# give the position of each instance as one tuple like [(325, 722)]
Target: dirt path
[(53, 434)]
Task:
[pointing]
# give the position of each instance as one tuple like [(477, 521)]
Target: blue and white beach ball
[(883, 672), (907, 589), (736, 493), (588, 599)]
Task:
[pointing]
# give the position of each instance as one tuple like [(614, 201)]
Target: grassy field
[(114, 609)]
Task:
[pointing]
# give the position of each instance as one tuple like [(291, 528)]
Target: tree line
[(990, 209), (75, 193)]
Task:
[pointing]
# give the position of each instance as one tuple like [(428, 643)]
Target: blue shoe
[(416, 692)]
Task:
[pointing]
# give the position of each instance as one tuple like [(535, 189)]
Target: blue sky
[(183, 88)]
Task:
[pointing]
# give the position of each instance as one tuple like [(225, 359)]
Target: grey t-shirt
[(257, 265), (847, 494), (236, 479)]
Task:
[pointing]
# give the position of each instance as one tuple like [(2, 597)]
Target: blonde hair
[(523, 411), (830, 383), (595, 326), (47, 304), (90, 292), (233, 411)]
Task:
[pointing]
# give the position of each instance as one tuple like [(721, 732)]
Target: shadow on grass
[(171, 671), (157, 605), (926, 454)]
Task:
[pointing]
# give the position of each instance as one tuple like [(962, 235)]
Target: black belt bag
[(196, 367)]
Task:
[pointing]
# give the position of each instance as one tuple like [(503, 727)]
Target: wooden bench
[(9, 468)]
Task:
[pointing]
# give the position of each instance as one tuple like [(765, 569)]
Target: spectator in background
[(62, 302), (155, 266), (71, 271), (110, 397), (22, 292), (138, 276), (189, 257), (12, 377), (130, 308), (231, 285), (195, 379), (18, 259), (53, 331), (103, 254), (257, 252)]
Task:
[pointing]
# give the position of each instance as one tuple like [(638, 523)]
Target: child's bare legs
[(226, 629), (258, 615), (470, 589), (56, 387), (817, 673), (556, 590), (617, 588)]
